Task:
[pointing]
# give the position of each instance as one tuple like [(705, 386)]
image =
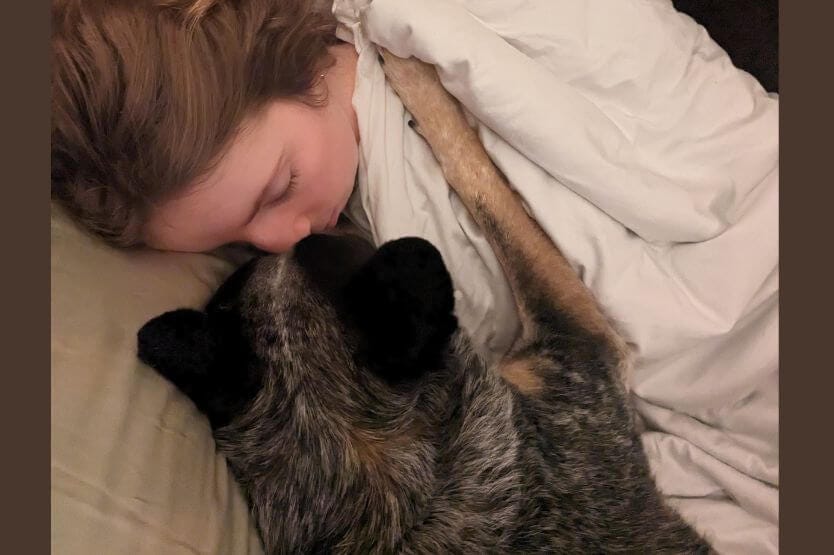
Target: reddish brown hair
[(146, 94)]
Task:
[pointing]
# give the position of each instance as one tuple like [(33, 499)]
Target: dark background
[(806, 277), (747, 29)]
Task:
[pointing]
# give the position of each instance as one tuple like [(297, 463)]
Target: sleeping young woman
[(186, 125)]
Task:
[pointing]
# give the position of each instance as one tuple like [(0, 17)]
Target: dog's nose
[(329, 260)]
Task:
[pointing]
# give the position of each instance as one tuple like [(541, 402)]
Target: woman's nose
[(281, 237)]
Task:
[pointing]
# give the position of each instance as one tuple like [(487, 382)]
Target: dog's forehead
[(250, 279)]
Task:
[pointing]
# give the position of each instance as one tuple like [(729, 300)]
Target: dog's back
[(562, 471)]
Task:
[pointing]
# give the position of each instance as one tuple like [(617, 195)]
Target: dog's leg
[(570, 363), (547, 291)]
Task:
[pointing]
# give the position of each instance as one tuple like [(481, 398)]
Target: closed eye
[(266, 200), (286, 194), (291, 187)]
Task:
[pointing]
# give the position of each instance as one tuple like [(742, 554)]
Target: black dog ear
[(179, 345), (402, 304), (205, 357)]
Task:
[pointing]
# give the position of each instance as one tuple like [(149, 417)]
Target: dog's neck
[(370, 476), (470, 415), (402, 465)]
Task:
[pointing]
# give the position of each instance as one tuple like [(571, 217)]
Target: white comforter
[(653, 163)]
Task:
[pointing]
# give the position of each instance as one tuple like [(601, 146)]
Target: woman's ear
[(401, 303)]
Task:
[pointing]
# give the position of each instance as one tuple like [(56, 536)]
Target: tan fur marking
[(366, 450), (522, 375), (372, 451)]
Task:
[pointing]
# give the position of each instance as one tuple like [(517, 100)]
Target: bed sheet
[(653, 163)]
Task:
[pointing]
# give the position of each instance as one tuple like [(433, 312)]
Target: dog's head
[(316, 368)]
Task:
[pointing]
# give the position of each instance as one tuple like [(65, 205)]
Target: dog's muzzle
[(331, 259)]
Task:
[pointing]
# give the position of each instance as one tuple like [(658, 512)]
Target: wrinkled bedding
[(653, 163)]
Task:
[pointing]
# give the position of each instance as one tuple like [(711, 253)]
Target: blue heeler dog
[(356, 417)]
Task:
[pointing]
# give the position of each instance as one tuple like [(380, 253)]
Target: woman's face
[(288, 173)]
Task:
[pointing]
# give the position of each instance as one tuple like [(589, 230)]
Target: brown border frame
[(805, 212), (24, 231)]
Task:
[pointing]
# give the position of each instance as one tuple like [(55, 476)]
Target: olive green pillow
[(134, 467)]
